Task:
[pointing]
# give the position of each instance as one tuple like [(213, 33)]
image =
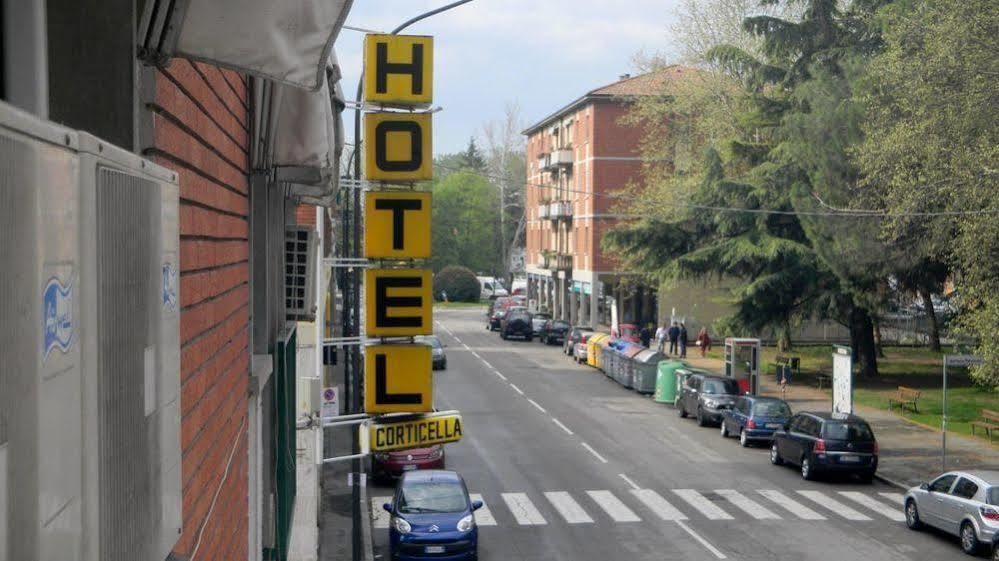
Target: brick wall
[(305, 215), (201, 129)]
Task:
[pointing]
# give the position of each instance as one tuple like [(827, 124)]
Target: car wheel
[(724, 430), (995, 551), (969, 540), (530, 338), (743, 439), (806, 469), (503, 335), (681, 410), (867, 477), (912, 515), (700, 418), (775, 458)]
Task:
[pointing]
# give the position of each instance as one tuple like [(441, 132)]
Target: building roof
[(650, 83)]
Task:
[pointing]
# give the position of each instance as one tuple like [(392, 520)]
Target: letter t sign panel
[(397, 225)]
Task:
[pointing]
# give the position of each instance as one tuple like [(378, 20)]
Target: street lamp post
[(354, 288)]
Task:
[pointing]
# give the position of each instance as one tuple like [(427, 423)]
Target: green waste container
[(666, 381)]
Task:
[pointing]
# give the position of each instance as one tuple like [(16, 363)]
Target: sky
[(540, 54)]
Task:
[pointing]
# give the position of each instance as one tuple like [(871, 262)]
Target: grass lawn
[(459, 305), (917, 368)]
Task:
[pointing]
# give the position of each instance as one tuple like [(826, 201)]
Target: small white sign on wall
[(842, 380), (331, 402)]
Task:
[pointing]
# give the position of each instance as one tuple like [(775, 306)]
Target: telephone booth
[(742, 362)]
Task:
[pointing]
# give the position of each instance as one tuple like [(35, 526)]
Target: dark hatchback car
[(517, 323), (821, 442), (575, 335), (707, 397), (432, 518), (754, 418), (553, 331), (494, 315)]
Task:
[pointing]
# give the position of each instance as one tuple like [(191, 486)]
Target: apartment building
[(577, 157)]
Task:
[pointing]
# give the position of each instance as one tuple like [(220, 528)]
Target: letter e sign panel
[(399, 70), (398, 302), (396, 225), (398, 379), (397, 147)]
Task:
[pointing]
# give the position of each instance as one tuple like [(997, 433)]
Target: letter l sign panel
[(398, 379)]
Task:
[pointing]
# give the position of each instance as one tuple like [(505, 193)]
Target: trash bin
[(666, 385), (626, 366), (603, 350), (645, 365), (591, 348), (612, 358)]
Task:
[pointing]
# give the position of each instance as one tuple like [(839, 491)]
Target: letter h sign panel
[(399, 70)]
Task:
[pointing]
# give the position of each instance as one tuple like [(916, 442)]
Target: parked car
[(628, 332), (496, 320), (755, 418), (575, 334), (554, 331), (491, 287), (820, 442), (539, 321), (432, 517), (995, 548), (517, 323), (961, 503), (579, 349), (437, 351), (497, 304), (386, 465), (706, 396)]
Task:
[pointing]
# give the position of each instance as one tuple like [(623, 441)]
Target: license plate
[(849, 459), (410, 467), (773, 425), (434, 549)]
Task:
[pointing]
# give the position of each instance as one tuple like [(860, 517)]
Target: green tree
[(464, 210)]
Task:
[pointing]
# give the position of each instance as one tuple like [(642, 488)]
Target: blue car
[(755, 418), (432, 518)]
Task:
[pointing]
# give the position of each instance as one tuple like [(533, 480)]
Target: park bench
[(823, 377), (905, 396), (989, 422)]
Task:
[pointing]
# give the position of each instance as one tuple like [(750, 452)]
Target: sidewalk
[(910, 452)]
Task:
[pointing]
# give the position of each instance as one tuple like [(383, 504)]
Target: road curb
[(891, 482)]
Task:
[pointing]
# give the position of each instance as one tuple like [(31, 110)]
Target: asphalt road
[(573, 466)]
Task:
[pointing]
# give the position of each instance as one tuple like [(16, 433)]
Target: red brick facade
[(201, 125)]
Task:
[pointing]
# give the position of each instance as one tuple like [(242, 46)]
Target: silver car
[(962, 503)]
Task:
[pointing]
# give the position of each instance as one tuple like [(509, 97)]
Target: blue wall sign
[(169, 287), (57, 316)]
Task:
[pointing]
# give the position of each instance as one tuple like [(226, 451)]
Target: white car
[(490, 288), (962, 503), (579, 352)]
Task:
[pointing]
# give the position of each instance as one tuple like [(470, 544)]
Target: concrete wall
[(200, 120)]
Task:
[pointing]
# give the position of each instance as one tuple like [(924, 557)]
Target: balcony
[(560, 210), (560, 158), (544, 162), (543, 210), (547, 261), (563, 262)]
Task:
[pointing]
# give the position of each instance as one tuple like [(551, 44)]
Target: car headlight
[(466, 523), (435, 454), (382, 456), (401, 525), (711, 403)]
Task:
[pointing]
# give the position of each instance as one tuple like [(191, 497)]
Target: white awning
[(287, 41)]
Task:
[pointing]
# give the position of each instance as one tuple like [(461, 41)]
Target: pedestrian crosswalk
[(637, 505)]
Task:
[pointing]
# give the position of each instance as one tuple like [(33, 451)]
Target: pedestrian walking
[(645, 336), (674, 335), (683, 340), (704, 341), (661, 338)]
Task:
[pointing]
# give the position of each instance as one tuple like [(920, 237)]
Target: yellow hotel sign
[(396, 225), (399, 70), (397, 147), (417, 433), (398, 302), (398, 378)]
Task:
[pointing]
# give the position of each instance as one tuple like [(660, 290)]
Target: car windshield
[(993, 496), (434, 342), (436, 496), (835, 430), (561, 324), (772, 409), (721, 386)]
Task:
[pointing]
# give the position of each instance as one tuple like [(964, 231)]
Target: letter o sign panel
[(397, 147)]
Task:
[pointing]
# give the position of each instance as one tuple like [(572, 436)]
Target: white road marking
[(657, 504), (749, 506), (894, 497), (380, 518), (537, 405), (489, 366), (500, 374), (516, 389), (568, 507), (613, 506), (891, 512), (483, 517), (714, 550), (459, 341), (594, 452), (796, 508), (476, 355), (702, 504), (630, 482), (563, 427), (834, 505), (523, 509)]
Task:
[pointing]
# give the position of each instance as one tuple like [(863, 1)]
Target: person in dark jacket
[(645, 335), (674, 335), (683, 340)]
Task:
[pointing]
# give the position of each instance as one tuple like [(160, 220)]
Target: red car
[(386, 465), (628, 332)]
